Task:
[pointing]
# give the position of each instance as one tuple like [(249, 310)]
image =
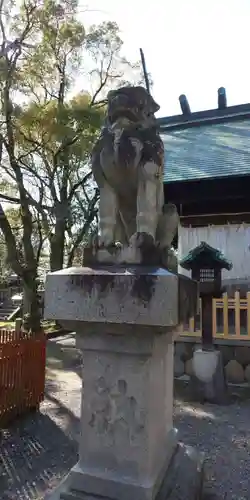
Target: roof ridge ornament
[(185, 108), (222, 98)]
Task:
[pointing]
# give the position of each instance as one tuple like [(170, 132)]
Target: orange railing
[(230, 318), (22, 373)]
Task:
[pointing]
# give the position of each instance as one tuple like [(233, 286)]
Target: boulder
[(179, 367), (196, 347), (184, 350), (234, 372), (247, 373), (227, 353), (179, 348), (189, 367), (242, 355)]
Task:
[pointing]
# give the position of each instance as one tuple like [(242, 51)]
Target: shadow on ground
[(34, 455), (185, 390)]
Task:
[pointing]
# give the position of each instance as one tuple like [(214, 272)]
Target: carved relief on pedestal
[(115, 413)]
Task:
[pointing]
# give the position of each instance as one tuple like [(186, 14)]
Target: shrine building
[(207, 176)]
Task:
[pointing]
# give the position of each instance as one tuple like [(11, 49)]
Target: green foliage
[(47, 129), (52, 126)]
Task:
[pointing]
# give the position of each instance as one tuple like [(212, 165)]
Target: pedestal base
[(209, 377), (184, 477), (183, 480)]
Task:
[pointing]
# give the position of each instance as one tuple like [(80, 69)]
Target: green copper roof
[(207, 151), (204, 248)]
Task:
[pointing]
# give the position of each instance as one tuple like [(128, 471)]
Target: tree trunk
[(57, 243), (31, 306)]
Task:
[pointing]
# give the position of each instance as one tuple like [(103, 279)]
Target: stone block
[(247, 373), (148, 296), (227, 353), (189, 367), (189, 351), (179, 349), (179, 367), (114, 295), (184, 350), (242, 355), (234, 372), (183, 479), (209, 377), (127, 413)]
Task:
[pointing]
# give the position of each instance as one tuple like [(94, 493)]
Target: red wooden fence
[(22, 373)]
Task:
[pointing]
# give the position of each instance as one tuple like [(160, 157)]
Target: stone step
[(69, 496), (79, 495), (75, 495), (5, 314), (7, 307)]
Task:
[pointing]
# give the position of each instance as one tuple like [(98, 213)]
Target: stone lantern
[(206, 264)]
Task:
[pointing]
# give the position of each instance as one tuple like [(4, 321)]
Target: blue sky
[(191, 46)]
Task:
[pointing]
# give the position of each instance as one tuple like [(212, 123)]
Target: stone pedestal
[(125, 320), (209, 378)]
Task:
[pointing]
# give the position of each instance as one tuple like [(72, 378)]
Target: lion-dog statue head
[(131, 105)]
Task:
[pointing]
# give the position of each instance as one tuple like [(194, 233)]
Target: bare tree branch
[(103, 81), (78, 184)]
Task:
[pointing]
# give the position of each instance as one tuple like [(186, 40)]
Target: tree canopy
[(48, 127)]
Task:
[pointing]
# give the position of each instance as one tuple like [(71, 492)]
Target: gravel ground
[(223, 433), (36, 452)]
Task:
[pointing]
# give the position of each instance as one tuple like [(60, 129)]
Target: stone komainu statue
[(127, 163)]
